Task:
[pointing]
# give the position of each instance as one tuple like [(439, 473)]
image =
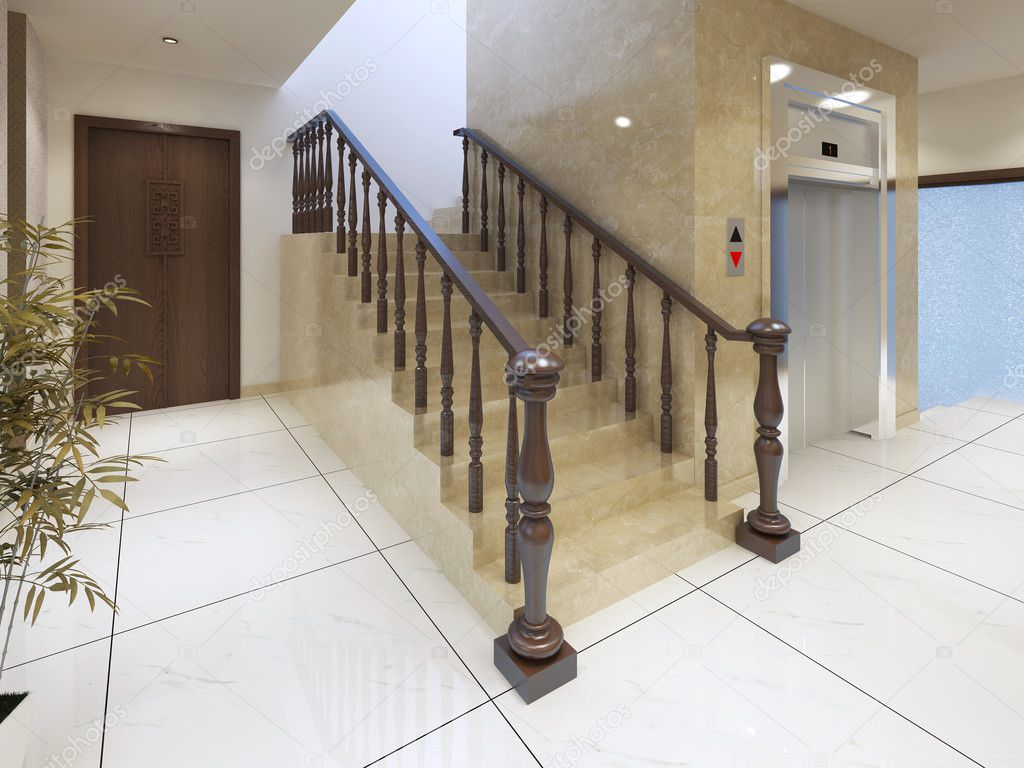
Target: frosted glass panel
[(971, 304)]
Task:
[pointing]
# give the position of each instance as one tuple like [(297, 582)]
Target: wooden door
[(162, 204)]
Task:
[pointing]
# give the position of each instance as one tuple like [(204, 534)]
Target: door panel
[(162, 223)]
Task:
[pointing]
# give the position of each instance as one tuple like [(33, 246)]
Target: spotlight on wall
[(623, 122), (170, 40), (779, 72)]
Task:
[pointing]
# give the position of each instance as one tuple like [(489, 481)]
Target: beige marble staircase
[(626, 515)]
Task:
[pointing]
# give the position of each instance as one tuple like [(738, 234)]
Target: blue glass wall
[(971, 301)]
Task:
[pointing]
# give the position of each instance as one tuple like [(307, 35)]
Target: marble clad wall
[(547, 80)]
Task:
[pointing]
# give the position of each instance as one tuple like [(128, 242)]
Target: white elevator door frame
[(834, 310)]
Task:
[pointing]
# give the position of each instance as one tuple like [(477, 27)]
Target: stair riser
[(491, 282), (456, 242), (573, 448), (564, 409), (511, 305), (573, 516), (492, 387)]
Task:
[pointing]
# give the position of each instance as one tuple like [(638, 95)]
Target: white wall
[(974, 128), (395, 72), (35, 127)]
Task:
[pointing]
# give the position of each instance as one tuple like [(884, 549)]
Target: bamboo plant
[(52, 406)]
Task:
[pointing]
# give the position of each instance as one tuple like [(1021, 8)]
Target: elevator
[(832, 253)]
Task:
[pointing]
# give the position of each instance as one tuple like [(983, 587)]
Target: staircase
[(430, 416)]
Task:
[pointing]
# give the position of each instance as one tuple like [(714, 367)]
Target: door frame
[(83, 124)]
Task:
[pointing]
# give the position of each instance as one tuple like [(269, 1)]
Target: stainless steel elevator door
[(834, 301)]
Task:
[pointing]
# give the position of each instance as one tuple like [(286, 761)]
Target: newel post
[(534, 656), (766, 531)]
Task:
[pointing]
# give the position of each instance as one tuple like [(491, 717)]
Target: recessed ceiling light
[(779, 72), (170, 40), (623, 122)]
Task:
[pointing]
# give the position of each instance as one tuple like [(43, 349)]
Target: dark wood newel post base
[(766, 531), (534, 656)]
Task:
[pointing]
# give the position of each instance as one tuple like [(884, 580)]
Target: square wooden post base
[(774, 548), (533, 679)]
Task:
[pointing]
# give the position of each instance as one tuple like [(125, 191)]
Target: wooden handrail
[(664, 283), (493, 318)]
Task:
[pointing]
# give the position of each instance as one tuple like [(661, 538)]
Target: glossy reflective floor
[(272, 614)]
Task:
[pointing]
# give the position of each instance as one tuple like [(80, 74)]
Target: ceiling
[(957, 42), (247, 41)]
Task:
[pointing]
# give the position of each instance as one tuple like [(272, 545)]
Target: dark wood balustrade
[(766, 531), (532, 654)]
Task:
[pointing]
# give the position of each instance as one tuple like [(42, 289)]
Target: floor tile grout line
[(430, 618), (839, 677), (963, 444), (221, 498), (967, 493), (162, 451), (113, 613), (427, 733), (264, 588)]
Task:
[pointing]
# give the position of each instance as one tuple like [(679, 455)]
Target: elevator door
[(834, 302)]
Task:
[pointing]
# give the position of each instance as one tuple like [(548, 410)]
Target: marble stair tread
[(470, 259), (488, 279), (596, 420), (493, 355), (576, 407), (492, 385), (598, 564), (598, 482), (510, 304)]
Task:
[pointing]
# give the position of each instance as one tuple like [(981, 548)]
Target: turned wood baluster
[(512, 569), (769, 342), (353, 217), (630, 393), (543, 297), (465, 185), (484, 238), (399, 294), (295, 185), (421, 329), (521, 241), (447, 371), (303, 142), (341, 203), (597, 307), (382, 265), (666, 375), (307, 216), (327, 211), (567, 334), (476, 421), (366, 281), (711, 421), (502, 266), (534, 634), (316, 215)]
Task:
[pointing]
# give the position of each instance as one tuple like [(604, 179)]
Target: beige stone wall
[(547, 80), (733, 37)]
